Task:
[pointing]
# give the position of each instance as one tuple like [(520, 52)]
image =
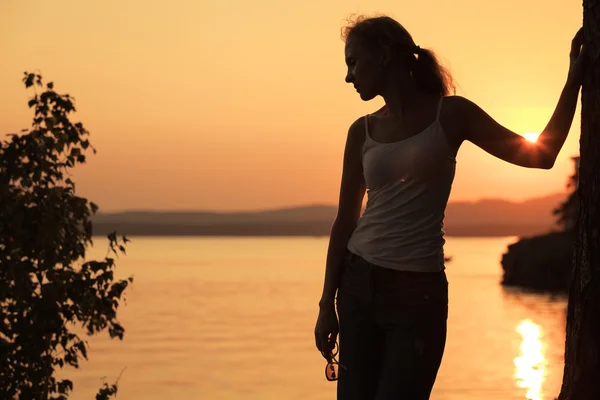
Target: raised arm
[(483, 131)]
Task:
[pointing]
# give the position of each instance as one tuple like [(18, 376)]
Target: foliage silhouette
[(47, 289)]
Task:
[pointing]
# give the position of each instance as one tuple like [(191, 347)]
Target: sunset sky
[(235, 105)]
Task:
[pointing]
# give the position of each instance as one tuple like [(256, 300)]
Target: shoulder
[(457, 112), (358, 127), (456, 104), (460, 108), (356, 132), (356, 137), (463, 113)]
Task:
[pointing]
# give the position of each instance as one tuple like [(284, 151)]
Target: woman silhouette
[(387, 266)]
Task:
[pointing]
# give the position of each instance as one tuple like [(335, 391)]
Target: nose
[(349, 77)]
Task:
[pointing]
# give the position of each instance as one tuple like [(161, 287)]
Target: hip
[(386, 287)]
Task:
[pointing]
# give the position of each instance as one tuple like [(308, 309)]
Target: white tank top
[(408, 185)]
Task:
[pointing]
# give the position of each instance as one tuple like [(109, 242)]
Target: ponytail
[(430, 75)]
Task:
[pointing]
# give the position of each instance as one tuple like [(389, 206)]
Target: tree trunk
[(581, 379)]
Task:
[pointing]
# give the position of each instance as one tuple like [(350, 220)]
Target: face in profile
[(365, 71)]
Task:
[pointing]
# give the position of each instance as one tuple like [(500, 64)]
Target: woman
[(387, 266)]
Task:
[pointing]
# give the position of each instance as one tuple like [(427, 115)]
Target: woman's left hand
[(577, 58)]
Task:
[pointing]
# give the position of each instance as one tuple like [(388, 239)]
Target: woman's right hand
[(577, 58), (326, 329)]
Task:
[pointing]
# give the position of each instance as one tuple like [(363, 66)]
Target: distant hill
[(489, 217), (496, 217)]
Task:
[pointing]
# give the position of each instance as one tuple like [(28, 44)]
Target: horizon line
[(309, 205)]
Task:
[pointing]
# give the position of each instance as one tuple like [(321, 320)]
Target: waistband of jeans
[(377, 269)]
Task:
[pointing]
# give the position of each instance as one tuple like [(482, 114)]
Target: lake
[(228, 318)]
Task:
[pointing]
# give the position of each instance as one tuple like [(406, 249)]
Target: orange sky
[(232, 104)]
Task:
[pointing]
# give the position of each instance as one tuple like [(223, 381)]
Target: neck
[(401, 97)]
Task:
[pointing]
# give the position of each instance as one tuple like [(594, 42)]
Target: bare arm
[(352, 191), (483, 131)]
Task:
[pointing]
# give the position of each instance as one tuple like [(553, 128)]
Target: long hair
[(423, 64)]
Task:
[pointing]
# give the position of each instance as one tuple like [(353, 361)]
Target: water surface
[(230, 318)]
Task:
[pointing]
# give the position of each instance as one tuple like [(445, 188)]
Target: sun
[(531, 136)]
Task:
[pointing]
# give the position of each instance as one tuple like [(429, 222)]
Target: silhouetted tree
[(46, 286), (581, 379)]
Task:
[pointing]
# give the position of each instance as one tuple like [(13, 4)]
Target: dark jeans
[(392, 331)]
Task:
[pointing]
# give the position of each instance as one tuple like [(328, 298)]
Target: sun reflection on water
[(530, 366)]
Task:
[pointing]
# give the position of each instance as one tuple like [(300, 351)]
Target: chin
[(366, 96)]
